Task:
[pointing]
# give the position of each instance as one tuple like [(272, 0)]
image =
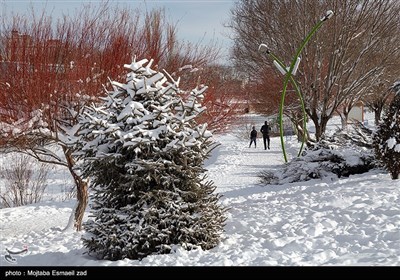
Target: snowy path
[(238, 165)]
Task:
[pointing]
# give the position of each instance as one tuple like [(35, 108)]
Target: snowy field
[(351, 221)]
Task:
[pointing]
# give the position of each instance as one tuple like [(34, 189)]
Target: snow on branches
[(387, 136), (144, 151)]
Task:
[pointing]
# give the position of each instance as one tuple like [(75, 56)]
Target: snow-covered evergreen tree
[(387, 136), (144, 151)]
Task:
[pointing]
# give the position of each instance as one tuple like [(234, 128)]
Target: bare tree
[(380, 95), (263, 91), (51, 69), (25, 181), (224, 99), (341, 63)]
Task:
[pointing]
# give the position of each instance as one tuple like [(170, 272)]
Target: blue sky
[(197, 20)]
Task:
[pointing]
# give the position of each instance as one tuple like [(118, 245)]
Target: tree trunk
[(300, 133), (320, 127), (377, 115), (344, 117), (298, 125), (81, 190), (82, 196)]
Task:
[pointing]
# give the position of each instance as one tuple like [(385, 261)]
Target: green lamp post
[(289, 72)]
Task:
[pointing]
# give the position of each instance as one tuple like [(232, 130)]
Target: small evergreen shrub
[(387, 136)]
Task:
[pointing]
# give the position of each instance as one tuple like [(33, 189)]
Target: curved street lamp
[(289, 72)]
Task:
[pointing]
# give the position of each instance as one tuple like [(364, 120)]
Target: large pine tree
[(387, 136), (144, 151)]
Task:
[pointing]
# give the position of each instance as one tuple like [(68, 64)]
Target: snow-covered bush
[(143, 150), (345, 153), (387, 136)]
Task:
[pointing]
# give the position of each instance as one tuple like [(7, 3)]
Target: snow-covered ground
[(349, 221)]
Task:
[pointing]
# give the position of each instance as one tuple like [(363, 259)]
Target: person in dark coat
[(265, 129), (253, 137)]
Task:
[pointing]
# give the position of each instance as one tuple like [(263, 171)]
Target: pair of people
[(265, 129)]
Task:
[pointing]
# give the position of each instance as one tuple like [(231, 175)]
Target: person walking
[(253, 137), (265, 129)]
